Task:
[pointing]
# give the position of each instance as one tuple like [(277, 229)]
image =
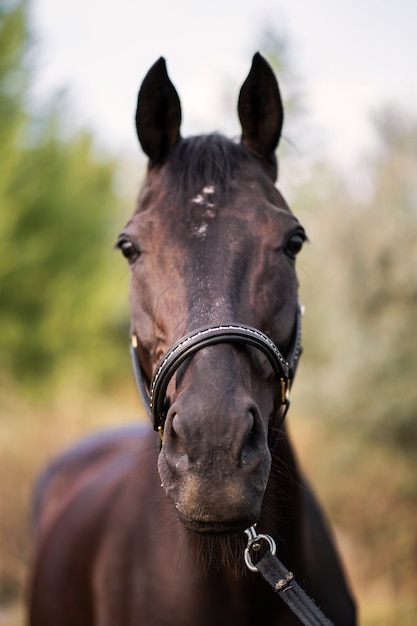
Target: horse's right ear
[(158, 114)]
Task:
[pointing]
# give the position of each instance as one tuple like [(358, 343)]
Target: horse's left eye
[(128, 249), (294, 244)]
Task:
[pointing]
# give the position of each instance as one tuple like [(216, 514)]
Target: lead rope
[(282, 580)]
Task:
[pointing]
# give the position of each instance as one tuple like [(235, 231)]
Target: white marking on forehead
[(201, 231), (204, 200), (198, 199), (201, 198)]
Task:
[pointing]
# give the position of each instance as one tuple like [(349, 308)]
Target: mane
[(204, 160)]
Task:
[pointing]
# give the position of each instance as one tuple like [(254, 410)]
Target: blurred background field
[(64, 363)]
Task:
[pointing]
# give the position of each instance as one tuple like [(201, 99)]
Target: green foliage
[(58, 226), (13, 77), (63, 310), (366, 287), (359, 369), (383, 284)]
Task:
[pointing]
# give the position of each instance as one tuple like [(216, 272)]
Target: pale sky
[(352, 57)]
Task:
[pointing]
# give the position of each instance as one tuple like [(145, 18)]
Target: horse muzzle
[(214, 463)]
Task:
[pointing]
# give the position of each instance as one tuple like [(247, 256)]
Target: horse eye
[(128, 249), (294, 244)]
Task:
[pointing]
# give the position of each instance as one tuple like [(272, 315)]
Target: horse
[(144, 525)]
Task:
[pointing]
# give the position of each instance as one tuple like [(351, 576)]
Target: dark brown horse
[(139, 529)]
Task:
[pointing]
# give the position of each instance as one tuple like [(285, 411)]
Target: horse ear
[(158, 114), (261, 113)]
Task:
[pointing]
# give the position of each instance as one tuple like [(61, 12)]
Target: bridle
[(154, 399), (154, 393)]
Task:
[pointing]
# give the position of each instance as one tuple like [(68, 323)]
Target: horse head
[(212, 244)]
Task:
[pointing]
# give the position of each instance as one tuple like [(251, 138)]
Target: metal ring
[(251, 542)]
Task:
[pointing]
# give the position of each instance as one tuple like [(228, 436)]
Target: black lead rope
[(282, 581)]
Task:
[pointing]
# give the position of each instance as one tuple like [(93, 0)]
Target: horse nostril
[(172, 432), (252, 438), (249, 445), (253, 430)]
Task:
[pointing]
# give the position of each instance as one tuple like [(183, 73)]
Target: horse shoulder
[(75, 497)]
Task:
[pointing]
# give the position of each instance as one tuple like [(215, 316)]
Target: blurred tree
[(383, 283), (359, 282), (57, 230), (13, 82), (361, 317)]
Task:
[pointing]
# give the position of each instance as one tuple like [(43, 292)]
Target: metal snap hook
[(254, 543)]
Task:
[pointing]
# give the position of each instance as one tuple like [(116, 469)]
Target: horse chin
[(212, 527), (212, 504)]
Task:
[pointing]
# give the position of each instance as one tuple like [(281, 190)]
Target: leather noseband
[(154, 394)]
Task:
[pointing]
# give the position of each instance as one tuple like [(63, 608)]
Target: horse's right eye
[(129, 250)]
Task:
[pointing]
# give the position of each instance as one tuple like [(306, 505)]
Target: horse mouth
[(206, 526)]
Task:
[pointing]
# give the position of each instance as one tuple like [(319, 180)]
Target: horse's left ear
[(261, 113), (158, 114)]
